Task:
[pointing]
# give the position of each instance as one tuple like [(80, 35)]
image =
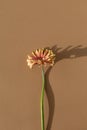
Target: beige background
[(29, 24)]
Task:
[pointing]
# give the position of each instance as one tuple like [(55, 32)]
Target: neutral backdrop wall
[(29, 24)]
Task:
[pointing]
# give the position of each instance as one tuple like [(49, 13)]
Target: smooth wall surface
[(29, 24)]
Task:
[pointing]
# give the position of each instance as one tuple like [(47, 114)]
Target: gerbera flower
[(41, 57)]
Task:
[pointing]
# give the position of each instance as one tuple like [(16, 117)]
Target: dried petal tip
[(41, 57)]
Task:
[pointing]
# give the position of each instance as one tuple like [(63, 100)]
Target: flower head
[(41, 57)]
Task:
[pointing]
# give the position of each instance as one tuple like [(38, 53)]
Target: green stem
[(42, 100)]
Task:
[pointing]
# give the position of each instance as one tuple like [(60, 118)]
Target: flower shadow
[(69, 52)]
